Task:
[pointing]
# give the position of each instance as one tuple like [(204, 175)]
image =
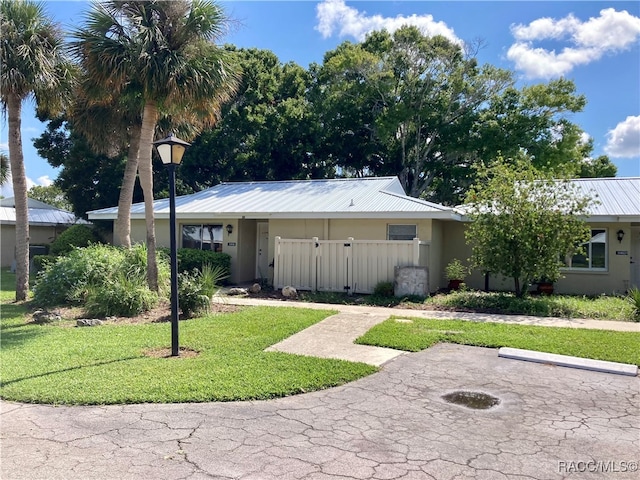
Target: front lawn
[(118, 363), (416, 334)]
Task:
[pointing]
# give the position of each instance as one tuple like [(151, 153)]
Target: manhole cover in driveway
[(475, 400)]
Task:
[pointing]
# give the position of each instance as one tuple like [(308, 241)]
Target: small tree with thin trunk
[(523, 224)]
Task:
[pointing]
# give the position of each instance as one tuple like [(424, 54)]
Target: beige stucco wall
[(240, 245), (614, 280), (38, 236)]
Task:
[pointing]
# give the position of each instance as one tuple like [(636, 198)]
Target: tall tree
[(89, 180), (166, 48), (420, 95), (267, 132), (33, 65), (523, 223), (111, 124)]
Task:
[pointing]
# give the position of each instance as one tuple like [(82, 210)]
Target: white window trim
[(606, 256)]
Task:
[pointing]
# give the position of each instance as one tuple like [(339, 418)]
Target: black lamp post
[(171, 150)]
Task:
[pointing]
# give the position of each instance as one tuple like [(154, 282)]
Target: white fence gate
[(352, 266)]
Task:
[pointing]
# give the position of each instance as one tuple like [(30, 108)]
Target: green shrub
[(196, 288), (190, 258), (74, 236), (106, 280), (40, 262), (65, 281), (120, 296), (383, 289)]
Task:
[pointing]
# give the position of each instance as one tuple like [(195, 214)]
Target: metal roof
[(40, 217), (374, 197), (616, 199)]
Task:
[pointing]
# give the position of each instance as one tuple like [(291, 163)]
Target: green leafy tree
[(415, 95), (268, 131), (51, 195), (33, 66), (422, 108), (599, 167), (90, 181), (167, 50), (523, 223)]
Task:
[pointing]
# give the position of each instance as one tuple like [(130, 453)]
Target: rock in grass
[(43, 316), (88, 322)]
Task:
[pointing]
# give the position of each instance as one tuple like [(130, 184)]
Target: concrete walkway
[(334, 336)]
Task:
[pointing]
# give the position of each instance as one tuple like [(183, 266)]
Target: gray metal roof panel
[(618, 196), (339, 197), (40, 216)]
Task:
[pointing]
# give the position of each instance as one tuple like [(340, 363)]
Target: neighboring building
[(276, 230), (612, 263), (45, 224)]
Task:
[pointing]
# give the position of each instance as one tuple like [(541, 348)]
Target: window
[(594, 256), (202, 237), (402, 232)]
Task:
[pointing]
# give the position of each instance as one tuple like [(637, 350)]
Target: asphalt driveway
[(551, 423)]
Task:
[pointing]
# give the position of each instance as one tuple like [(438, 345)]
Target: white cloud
[(44, 181), (6, 189), (609, 33), (584, 138), (624, 140), (334, 16)]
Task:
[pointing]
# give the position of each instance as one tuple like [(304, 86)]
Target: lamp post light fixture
[(171, 150)]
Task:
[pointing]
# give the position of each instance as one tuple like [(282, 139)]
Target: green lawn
[(417, 334), (108, 364)]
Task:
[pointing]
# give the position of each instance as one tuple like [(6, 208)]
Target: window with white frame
[(402, 232), (594, 254), (202, 237)]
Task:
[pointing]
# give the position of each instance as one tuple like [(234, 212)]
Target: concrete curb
[(568, 361)]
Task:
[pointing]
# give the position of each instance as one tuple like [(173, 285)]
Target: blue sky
[(596, 44)]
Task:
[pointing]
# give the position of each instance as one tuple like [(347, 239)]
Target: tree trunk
[(518, 288), (149, 119), (19, 177), (123, 222)]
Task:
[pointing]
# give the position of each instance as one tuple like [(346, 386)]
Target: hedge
[(192, 258)]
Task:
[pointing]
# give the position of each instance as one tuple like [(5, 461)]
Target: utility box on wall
[(411, 281)]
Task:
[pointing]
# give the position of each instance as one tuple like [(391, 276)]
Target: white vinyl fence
[(352, 266)]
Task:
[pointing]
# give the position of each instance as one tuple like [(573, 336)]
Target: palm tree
[(110, 124), (33, 65), (4, 168), (165, 48)]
